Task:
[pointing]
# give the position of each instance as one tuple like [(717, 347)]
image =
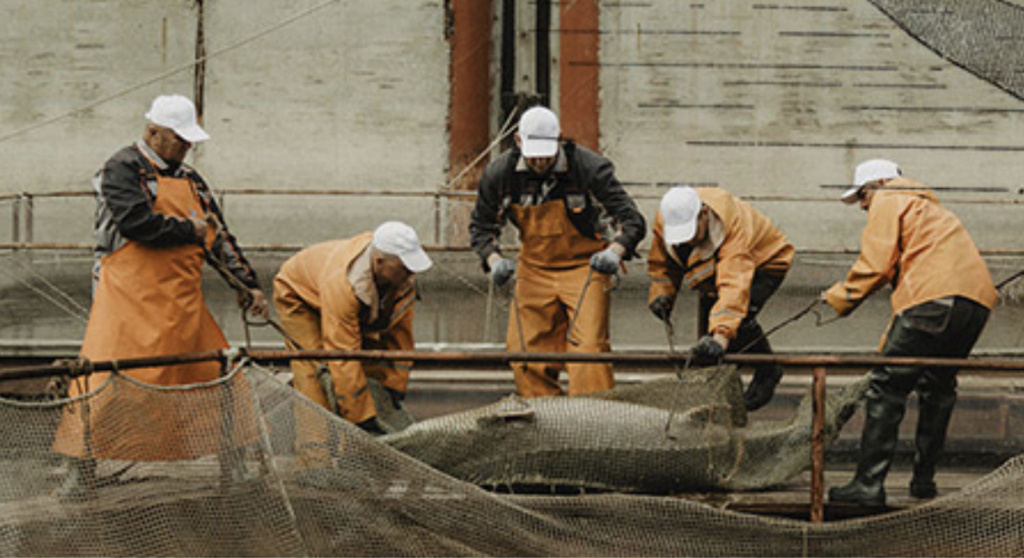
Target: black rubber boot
[(877, 447), (79, 482), (932, 424), (762, 387)]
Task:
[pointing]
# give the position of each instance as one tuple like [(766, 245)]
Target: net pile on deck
[(245, 490)]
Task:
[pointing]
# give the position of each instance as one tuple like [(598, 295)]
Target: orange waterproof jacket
[(751, 243), (918, 246), (319, 276)]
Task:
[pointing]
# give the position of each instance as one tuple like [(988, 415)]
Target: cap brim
[(416, 261), (678, 234), (192, 133), (540, 148), (850, 196)]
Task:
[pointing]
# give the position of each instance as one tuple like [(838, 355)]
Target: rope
[(49, 297), (183, 67), (579, 303), (680, 374), (506, 129), (819, 321), (83, 311), (1009, 280)]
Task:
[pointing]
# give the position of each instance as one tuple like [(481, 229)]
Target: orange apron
[(149, 302), (552, 271)]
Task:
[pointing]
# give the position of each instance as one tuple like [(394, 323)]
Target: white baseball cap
[(539, 133), (680, 208), (179, 114), (399, 239), (870, 171)]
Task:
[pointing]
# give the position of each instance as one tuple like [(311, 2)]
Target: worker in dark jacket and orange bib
[(736, 258), (941, 298), (351, 294), (576, 225), (156, 223)]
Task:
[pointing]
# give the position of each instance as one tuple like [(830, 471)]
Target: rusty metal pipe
[(818, 447), (474, 359)]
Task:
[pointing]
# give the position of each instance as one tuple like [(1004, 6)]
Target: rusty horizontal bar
[(470, 359), (461, 194), (289, 247)]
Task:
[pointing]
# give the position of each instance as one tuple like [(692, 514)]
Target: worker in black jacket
[(576, 226)]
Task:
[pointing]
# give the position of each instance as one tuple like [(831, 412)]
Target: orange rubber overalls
[(149, 302), (552, 272)]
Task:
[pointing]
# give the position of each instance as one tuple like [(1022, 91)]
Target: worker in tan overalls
[(576, 225), (153, 233), (352, 294)]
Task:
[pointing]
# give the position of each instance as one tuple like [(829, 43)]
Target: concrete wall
[(766, 99), (347, 95), (784, 98)]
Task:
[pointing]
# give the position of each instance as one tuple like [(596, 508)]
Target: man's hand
[(708, 348), (200, 226), (502, 269), (607, 261), (257, 304), (661, 307)]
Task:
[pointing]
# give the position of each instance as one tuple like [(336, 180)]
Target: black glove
[(707, 348), (661, 307), (372, 426), (396, 397), (606, 261), (502, 270)]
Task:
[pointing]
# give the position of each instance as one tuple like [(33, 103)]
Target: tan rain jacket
[(918, 246), (751, 243)]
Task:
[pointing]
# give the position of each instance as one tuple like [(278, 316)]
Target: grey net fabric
[(664, 436), (259, 495), (980, 36)]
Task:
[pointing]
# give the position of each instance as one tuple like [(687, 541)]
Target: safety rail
[(469, 359), (23, 208)]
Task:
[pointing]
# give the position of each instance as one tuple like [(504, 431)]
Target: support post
[(818, 447)]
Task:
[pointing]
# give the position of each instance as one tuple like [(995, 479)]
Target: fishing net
[(254, 494), (979, 36)]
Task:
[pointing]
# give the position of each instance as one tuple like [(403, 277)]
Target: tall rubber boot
[(766, 376), (932, 424), (877, 448), (80, 480), (762, 386)]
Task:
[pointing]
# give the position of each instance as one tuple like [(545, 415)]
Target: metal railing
[(471, 359), (23, 222)]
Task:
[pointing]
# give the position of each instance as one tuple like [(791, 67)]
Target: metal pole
[(472, 359), (818, 447)]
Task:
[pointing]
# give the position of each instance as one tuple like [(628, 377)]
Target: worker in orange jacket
[(157, 222), (353, 294), (736, 258), (941, 299)]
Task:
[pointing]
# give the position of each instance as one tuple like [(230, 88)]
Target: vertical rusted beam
[(469, 32), (579, 72), (199, 72), (818, 447)]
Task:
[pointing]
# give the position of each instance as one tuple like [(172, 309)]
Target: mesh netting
[(284, 477), (981, 36)]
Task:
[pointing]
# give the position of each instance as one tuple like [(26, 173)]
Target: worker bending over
[(724, 248)]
